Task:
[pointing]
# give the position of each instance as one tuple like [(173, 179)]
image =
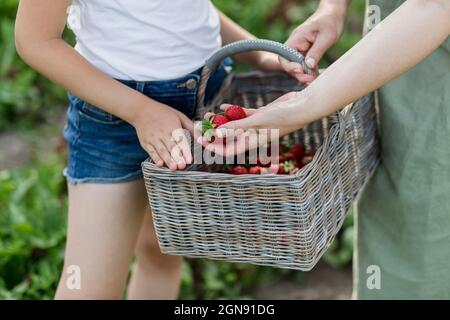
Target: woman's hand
[(161, 134), (259, 127), (315, 36)]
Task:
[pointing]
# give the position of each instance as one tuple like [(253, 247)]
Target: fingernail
[(310, 62)]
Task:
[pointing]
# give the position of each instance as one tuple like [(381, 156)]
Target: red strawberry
[(289, 156), (284, 148), (235, 113), (280, 159), (255, 170), (213, 122), (298, 150), (218, 120), (239, 170), (281, 170)]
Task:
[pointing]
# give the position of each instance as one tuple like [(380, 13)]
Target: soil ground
[(323, 282)]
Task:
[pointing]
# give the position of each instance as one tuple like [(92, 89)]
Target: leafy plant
[(32, 230), (25, 96)]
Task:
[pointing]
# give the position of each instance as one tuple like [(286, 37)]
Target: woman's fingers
[(239, 143), (321, 44), (232, 128), (208, 115)]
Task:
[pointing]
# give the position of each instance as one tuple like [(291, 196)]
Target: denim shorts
[(103, 148)]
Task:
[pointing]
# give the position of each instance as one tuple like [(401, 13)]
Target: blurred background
[(33, 196)]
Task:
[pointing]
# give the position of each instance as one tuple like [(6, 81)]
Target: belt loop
[(140, 86)]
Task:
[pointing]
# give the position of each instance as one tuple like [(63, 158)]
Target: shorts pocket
[(92, 113)]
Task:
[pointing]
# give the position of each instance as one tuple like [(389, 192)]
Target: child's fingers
[(305, 78), (154, 155), (290, 67), (175, 153), (164, 153), (185, 150), (187, 123), (178, 156), (182, 141)]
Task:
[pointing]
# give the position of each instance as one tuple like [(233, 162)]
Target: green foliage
[(32, 230), (275, 20), (341, 250), (24, 94)]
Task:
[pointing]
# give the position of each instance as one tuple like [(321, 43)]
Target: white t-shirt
[(145, 40)]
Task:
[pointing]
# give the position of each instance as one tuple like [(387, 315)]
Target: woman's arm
[(39, 26), (400, 42)]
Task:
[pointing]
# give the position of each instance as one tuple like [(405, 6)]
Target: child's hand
[(160, 133), (272, 62), (267, 61)]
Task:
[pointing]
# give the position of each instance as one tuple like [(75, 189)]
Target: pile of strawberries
[(232, 113), (291, 159)]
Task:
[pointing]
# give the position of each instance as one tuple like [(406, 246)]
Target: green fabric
[(403, 216)]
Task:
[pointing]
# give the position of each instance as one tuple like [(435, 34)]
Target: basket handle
[(244, 46)]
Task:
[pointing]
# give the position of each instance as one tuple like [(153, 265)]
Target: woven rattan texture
[(275, 220)]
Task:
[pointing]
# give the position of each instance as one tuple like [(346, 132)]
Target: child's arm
[(399, 43), (232, 32), (39, 26)]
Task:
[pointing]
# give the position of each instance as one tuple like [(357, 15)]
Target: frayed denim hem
[(137, 175)]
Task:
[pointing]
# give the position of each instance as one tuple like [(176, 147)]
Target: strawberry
[(280, 159), (239, 170), (235, 113), (281, 169), (213, 122), (284, 148), (289, 156), (218, 120), (298, 150), (255, 170)]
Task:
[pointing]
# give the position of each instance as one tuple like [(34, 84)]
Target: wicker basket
[(274, 220)]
